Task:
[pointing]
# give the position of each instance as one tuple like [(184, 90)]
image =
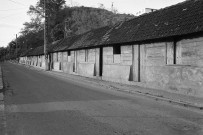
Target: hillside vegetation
[(82, 19), (76, 20)]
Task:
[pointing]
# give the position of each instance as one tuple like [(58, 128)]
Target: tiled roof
[(36, 51), (64, 44), (91, 38), (26, 53), (177, 20), (181, 19), (40, 50)]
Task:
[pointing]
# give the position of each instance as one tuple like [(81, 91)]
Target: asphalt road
[(40, 104)]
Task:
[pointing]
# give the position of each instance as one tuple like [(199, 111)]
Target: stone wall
[(91, 55), (43, 61), (117, 67), (57, 66), (68, 67), (172, 66), (56, 61), (177, 70), (190, 52), (87, 62), (66, 63), (86, 69), (22, 60)]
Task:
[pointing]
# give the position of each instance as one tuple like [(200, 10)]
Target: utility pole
[(46, 35), (112, 9), (16, 46)]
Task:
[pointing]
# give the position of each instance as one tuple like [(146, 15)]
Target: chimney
[(145, 11)]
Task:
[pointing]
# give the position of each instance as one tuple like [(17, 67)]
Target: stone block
[(60, 55), (180, 79), (69, 59), (117, 72), (57, 66), (117, 59), (108, 51), (126, 49), (67, 67), (126, 59), (91, 55), (43, 65), (55, 57), (190, 52), (81, 56), (108, 59), (86, 69), (65, 56)]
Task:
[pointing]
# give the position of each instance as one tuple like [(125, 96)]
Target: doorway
[(100, 61)]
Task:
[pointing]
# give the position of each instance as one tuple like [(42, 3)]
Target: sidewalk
[(175, 98)]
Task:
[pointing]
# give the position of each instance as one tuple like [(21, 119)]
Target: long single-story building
[(162, 50)]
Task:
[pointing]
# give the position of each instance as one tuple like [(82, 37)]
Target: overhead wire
[(17, 2), (11, 15), (11, 9)]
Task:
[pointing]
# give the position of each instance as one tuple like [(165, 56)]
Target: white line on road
[(58, 106)]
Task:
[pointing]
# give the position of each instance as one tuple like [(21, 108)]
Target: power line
[(12, 9), (17, 3), (11, 15)]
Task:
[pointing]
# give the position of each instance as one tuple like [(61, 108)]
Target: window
[(69, 53), (117, 49), (171, 53), (86, 55), (57, 57)]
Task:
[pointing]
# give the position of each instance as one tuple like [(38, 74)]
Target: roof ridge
[(161, 9)]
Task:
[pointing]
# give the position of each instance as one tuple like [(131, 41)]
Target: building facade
[(160, 50)]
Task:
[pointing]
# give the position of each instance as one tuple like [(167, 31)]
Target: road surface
[(40, 104)]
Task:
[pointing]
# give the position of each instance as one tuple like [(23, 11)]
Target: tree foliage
[(82, 19), (61, 18)]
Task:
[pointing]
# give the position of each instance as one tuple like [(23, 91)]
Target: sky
[(13, 13)]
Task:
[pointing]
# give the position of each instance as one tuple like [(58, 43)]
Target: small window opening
[(69, 53), (86, 55), (175, 53), (57, 57), (117, 49)]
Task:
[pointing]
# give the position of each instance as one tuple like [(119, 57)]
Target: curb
[(155, 97), (176, 102)]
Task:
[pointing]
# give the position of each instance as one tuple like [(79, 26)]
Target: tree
[(37, 16), (63, 20)]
